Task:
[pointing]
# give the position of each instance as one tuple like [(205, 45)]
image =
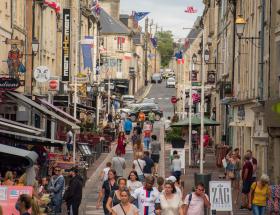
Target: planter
[(178, 143)]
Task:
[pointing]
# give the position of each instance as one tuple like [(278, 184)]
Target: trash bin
[(204, 179)]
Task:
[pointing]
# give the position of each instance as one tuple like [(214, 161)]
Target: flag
[(139, 15), (196, 98), (53, 5), (180, 61), (154, 41), (187, 43), (120, 40), (95, 9), (179, 57), (127, 56), (87, 55), (191, 9)]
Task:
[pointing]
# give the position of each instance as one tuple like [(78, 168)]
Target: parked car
[(149, 100), (171, 82), (127, 99), (146, 108), (156, 78), (129, 107)]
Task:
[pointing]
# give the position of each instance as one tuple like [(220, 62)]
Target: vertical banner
[(66, 45), (87, 56)]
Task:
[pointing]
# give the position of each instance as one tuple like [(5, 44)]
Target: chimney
[(112, 7)]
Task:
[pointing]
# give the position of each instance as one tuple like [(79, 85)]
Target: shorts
[(127, 132), (155, 158), (69, 147), (246, 186)]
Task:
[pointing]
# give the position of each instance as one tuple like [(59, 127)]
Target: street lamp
[(35, 46), (194, 58), (240, 23), (206, 56)]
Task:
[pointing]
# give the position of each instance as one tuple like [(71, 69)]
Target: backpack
[(189, 199)]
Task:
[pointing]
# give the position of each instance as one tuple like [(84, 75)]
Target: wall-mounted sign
[(7, 84), (220, 195), (211, 77), (42, 74), (54, 84), (66, 45), (194, 75)]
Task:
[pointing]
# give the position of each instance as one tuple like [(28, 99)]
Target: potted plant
[(174, 136)]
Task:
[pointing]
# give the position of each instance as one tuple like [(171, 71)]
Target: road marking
[(166, 98), (159, 98)]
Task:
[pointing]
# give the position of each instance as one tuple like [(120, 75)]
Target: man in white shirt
[(195, 202), (69, 141), (167, 123), (138, 166), (118, 164), (148, 197)]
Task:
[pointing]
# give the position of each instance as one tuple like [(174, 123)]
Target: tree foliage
[(165, 46)]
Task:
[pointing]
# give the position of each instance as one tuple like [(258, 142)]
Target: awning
[(12, 125), (195, 121), (41, 108), (58, 110), (24, 157)]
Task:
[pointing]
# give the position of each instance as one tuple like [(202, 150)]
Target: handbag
[(231, 174)]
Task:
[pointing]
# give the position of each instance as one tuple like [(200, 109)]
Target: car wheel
[(157, 117), (133, 118)]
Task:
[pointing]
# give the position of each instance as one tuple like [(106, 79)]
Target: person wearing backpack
[(195, 202), (259, 193)]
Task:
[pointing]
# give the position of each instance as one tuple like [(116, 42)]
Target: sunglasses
[(200, 189), (57, 170)]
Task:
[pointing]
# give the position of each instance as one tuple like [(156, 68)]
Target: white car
[(170, 82), (127, 99)]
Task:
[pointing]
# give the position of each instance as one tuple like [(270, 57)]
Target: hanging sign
[(211, 77), (220, 195), (42, 74), (66, 45), (7, 84)]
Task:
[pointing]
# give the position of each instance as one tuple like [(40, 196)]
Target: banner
[(139, 15), (87, 55), (220, 195), (9, 196), (154, 41), (66, 45)]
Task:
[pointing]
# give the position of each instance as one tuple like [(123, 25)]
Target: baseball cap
[(171, 178)]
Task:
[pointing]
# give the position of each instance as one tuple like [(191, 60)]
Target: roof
[(109, 25), (29, 156), (42, 109), (195, 31)]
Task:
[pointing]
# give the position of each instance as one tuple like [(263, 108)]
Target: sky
[(168, 14)]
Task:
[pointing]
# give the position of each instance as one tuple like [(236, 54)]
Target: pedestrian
[(233, 174), (134, 137), (195, 202), (121, 143), (237, 152), (160, 183), (118, 164), (107, 187), (138, 165), (125, 207), (176, 184), (151, 117), (8, 179), (138, 148), (110, 117), (149, 167), (141, 118), (259, 194), (147, 139), (147, 197), (155, 152), (23, 204), (56, 188), (73, 195), (133, 181), (127, 126), (138, 129), (170, 202), (104, 173), (247, 180), (176, 166), (115, 197), (69, 141), (167, 124), (254, 163)]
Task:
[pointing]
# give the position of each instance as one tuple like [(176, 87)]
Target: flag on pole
[(154, 41), (139, 15), (95, 9), (87, 54), (127, 56), (179, 57), (187, 43), (191, 9), (120, 40), (52, 4)]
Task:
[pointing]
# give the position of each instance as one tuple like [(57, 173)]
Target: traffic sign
[(173, 100)]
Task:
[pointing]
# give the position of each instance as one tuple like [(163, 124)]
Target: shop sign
[(42, 74), (7, 84), (194, 75), (220, 195), (9, 196), (241, 112), (66, 45), (211, 77)]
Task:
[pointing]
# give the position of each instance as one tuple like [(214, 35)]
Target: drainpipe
[(261, 73)]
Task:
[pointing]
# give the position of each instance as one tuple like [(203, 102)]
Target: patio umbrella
[(195, 122)]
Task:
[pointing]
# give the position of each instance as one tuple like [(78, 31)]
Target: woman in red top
[(121, 143)]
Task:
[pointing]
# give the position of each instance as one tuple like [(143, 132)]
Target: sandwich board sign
[(220, 195)]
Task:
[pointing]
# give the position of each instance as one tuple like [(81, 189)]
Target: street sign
[(220, 195), (42, 74), (196, 84), (173, 100)]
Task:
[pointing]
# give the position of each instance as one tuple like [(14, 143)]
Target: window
[(119, 65)]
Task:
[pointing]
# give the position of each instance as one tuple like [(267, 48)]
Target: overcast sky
[(168, 14)]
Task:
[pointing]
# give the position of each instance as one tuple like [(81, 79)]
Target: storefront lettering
[(9, 84), (66, 45)]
